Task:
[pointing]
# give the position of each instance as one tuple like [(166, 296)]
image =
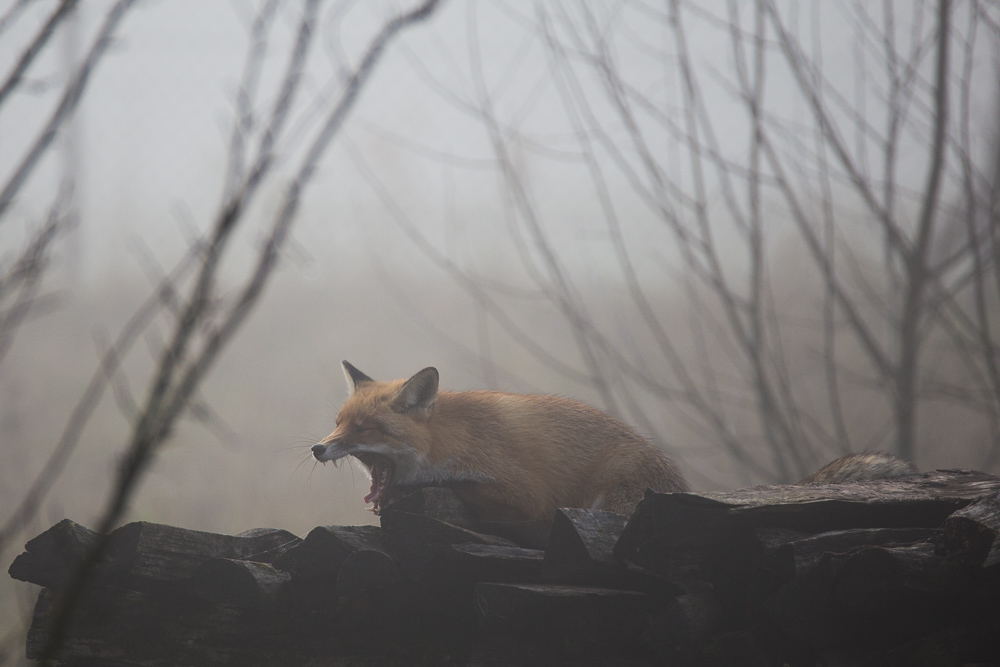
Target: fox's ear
[(418, 394), (354, 377)]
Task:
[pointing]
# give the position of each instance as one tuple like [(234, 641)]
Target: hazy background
[(508, 202)]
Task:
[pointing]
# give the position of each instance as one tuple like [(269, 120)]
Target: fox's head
[(385, 426)]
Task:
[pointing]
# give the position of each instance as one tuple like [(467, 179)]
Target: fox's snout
[(329, 451)]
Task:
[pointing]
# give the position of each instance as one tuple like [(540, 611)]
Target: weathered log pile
[(891, 572)]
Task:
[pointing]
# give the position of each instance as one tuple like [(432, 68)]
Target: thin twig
[(67, 105), (174, 385)]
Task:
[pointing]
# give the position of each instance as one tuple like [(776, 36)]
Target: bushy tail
[(859, 468)]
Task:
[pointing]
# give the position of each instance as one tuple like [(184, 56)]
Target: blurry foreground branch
[(205, 325)]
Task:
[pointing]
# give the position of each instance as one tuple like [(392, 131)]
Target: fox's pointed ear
[(354, 377), (418, 394)]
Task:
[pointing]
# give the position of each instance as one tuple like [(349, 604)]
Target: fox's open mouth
[(381, 469)]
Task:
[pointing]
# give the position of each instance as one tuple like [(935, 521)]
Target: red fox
[(513, 459), (860, 467)]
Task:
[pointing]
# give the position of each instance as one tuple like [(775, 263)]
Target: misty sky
[(151, 137)]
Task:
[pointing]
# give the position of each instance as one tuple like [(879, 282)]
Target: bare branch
[(56, 462), (169, 396), (36, 46), (67, 105)]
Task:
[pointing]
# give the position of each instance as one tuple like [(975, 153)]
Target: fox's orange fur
[(512, 458)]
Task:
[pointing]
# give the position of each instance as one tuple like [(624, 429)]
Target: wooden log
[(789, 553), (264, 545), (528, 534), (240, 582), (580, 548), (580, 619), (874, 596), (680, 631), (325, 548), (377, 604), (555, 603), (364, 570), (686, 535), (658, 587), (49, 558), (421, 545), (403, 527), (144, 554), (141, 553), (872, 588), (315, 563), (736, 648), (170, 627), (873, 583), (83, 640), (914, 501), (976, 644), (972, 534), (434, 502), (446, 505), (146, 551), (488, 562), (688, 538)]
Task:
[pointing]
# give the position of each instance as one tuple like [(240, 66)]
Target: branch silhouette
[(183, 364)]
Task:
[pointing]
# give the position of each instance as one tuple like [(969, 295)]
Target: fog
[(474, 203)]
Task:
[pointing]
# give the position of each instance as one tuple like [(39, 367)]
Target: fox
[(860, 467), (513, 459)]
